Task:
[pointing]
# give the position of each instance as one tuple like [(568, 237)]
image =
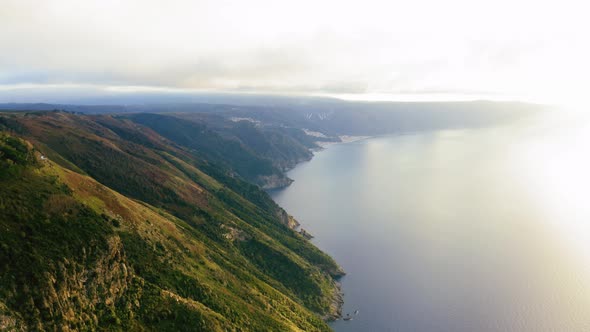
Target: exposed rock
[(233, 233), (287, 165), (10, 321), (305, 234), (287, 219), (273, 181), (337, 300)]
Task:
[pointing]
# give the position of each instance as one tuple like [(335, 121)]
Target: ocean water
[(460, 230)]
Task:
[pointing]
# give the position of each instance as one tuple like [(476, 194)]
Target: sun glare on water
[(554, 163)]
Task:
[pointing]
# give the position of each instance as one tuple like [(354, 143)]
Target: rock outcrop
[(287, 219), (274, 181)]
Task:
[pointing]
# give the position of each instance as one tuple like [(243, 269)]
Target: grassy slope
[(283, 146), (171, 241), (209, 145)]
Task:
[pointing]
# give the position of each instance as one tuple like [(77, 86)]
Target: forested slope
[(106, 224)]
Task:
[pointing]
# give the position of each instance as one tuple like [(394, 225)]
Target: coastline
[(337, 302), (273, 183), (343, 139), (337, 296)]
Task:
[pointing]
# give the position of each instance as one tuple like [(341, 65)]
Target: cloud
[(333, 47)]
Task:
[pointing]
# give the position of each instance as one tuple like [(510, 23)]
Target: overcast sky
[(412, 49)]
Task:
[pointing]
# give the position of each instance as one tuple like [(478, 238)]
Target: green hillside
[(107, 225), (209, 145)]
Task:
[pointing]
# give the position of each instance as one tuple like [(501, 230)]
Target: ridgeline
[(149, 222)]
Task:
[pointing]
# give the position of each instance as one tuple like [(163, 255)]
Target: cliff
[(108, 225)]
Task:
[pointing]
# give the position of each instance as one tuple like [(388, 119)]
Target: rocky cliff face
[(273, 181), (287, 219), (336, 302)]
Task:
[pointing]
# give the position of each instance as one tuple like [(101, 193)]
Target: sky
[(530, 50)]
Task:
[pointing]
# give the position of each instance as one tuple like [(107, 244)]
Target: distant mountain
[(329, 116), (145, 222)]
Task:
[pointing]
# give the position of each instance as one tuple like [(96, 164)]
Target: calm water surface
[(459, 230)]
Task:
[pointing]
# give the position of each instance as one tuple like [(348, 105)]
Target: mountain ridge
[(136, 232)]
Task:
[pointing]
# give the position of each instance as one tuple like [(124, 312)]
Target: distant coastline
[(343, 139)]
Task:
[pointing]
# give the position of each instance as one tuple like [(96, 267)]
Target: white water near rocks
[(459, 230)]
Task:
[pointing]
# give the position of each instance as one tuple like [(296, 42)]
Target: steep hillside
[(108, 225), (284, 147), (208, 144)]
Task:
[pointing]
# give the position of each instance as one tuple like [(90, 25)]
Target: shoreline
[(343, 140), (337, 296), (321, 146)]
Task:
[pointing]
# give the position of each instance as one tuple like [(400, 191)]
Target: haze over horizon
[(224, 165), (371, 50)]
